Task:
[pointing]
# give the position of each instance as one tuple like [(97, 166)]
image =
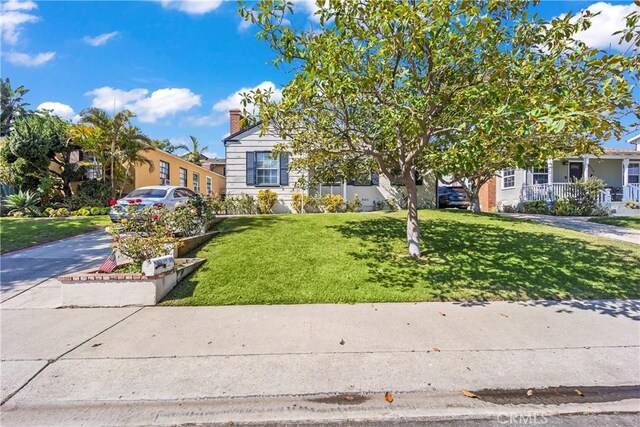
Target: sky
[(179, 65)]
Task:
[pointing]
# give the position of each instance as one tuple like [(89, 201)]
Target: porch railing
[(631, 192), (553, 192)]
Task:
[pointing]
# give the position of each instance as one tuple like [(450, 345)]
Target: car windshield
[(148, 192), (457, 190)]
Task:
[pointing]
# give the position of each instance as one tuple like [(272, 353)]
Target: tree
[(12, 105), (36, 141), (114, 142), (391, 81), (195, 154), (167, 146)]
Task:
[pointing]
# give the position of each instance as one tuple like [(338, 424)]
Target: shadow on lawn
[(485, 258)]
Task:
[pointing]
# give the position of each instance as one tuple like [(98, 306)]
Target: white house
[(250, 168), (618, 168)]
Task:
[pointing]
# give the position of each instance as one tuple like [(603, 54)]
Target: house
[(618, 168), (213, 164), (168, 169), (250, 168)]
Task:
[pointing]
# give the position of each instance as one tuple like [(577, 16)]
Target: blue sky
[(178, 64)]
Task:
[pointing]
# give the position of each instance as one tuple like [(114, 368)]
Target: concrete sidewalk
[(26, 268), (583, 225), (174, 365)]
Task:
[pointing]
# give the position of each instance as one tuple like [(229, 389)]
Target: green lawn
[(18, 233), (621, 221), (349, 258)]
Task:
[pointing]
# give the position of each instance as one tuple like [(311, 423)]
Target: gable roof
[(235, 136)]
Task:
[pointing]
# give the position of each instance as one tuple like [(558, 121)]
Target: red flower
[(138, 200), (112, 202), (154, 217)]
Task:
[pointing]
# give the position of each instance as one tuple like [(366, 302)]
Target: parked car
[(453, 197), (161, 195)]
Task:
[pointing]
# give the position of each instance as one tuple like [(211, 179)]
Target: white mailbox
[(155, 266)]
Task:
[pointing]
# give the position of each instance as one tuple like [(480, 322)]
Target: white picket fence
[(557, 191), (631, 192)]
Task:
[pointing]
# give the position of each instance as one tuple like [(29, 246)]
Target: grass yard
[(18, 233), (350, 258), (620, 221)]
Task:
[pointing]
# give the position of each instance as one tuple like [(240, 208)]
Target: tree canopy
[(409, 85)]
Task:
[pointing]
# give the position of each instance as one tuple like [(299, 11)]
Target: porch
[(619, 169)]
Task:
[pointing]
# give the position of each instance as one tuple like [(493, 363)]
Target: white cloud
[(219, 112), (13, 16), (59, 109), (610, 20), (192, 7), (101, 39), (235, 99), (27, 60), (161, 103)]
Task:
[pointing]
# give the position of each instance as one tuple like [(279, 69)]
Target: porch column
[(550, 170), (585, 168), (625, 172), (344, 190)]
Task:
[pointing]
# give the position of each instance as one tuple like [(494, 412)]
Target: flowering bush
[(333, 203), (266, 200), (299, 202), (353, 205), (240, 205)]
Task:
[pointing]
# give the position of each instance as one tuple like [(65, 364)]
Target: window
[(164, 173), (94, 171), (634, 173), (209, 185), (196, 182), (183, 177), (267, 169), (541, 175), (508, 178)]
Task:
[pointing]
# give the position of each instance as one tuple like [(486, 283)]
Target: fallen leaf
[(349, 398), (579, 393), (97, 344), (441, 313), (504, 315), (529, 393), (436, 349), (342, 342), (388, 397), (469, 393)]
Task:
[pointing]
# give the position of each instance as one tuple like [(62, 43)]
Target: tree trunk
[(413, 227), (475, 202)]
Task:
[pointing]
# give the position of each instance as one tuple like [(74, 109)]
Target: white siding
[(252, 141), (510, 196)]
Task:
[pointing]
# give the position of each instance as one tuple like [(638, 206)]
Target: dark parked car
[(453, 197)]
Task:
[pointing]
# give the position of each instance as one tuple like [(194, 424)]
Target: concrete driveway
[(583, 225), (24, 269)]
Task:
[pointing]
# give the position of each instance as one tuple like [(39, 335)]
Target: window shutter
[(284, 169), (251, 168), (375, 178)]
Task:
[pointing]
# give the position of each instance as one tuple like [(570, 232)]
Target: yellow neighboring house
[(172, 170)]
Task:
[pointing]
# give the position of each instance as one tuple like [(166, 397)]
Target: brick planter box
[(92, 289)]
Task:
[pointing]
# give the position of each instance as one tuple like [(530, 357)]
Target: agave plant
[(25, 202)]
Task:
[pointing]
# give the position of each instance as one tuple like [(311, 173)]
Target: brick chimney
[(234, 120)]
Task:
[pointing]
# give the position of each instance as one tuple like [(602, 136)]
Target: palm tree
[(196, 152), (114, 140), (12, 105)]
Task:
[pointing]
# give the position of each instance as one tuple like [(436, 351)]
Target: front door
[(576, 170)]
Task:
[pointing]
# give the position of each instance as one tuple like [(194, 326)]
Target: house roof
[(619, 151), (234, 136), (216, 161)]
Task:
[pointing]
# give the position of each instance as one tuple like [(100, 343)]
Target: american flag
[(109, 264)]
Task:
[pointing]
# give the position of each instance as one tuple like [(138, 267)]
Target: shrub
[(314, 204), (392, 204), (96, 193), (332, 203), (105, 211), (95, 211), (506, 208), (240, 205), (60, 212), (266, 200), (565, 207), (216, 204), (354, 205), (632, 204), (84, 212), (299, 201), (535, 207), (25, 203)]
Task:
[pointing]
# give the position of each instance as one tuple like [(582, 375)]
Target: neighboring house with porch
[(618, 168), (250, 168)]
